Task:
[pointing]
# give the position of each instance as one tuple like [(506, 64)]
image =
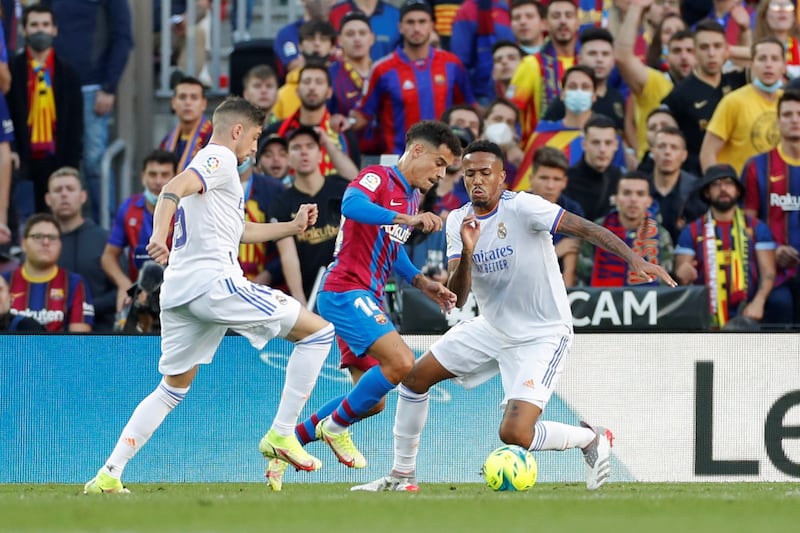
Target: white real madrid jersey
[(208, 228), (515, 274)]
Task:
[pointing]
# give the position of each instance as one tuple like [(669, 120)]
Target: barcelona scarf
[(42, 106), (552, 72), (727, 270), (611, 270), (192, 144)]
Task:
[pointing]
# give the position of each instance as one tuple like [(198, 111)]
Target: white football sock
[(557, 436), (146, 418), (412, 413), (302, 371)]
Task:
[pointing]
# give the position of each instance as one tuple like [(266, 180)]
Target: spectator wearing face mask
[(578, 93), (46, 106)]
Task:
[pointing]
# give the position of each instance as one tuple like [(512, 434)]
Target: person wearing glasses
[(55, 297)]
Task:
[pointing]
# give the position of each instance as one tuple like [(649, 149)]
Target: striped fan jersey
[(365, 254)]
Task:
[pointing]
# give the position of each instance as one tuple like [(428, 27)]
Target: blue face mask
[(578, 101), (150, 197), (769, 89), (244, 165), (664, 50)]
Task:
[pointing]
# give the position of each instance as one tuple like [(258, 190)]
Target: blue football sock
[(365, 395), (305, 430)]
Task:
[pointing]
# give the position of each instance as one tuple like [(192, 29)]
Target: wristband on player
[(170, 196)]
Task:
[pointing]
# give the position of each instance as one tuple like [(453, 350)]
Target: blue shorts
[(357, 316)]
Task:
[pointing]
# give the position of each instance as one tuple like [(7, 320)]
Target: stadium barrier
[(691, 407), (594, 310)]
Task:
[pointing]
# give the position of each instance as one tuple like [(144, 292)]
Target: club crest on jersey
[(281, 299), (370, 181), (502, 232), (210, 164), (381, 319), (56, 294)]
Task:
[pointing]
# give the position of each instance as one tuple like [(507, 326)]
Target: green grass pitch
[(330, 508)]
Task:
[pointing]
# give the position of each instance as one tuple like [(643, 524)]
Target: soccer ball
[(510, 468)]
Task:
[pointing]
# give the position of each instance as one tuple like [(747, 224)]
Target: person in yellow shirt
[(317, 39), (537, 81), (745, 122), (649, 86)]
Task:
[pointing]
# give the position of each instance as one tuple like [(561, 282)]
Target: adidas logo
[(529, 383)]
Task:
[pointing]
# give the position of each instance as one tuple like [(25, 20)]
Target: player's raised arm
[(599, 236), (255, 232), (460, 269), (186, 183), (357, 206)]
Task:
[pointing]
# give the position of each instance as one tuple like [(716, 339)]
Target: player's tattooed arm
[(576, 226)]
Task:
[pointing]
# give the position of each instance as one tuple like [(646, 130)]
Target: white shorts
[(475, 351), (191, 333)]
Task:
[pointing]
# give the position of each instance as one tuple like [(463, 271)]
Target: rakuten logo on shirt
[(787, 202)]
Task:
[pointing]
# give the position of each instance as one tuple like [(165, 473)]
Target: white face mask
[(499, 133), (578, 101), (244, 165)]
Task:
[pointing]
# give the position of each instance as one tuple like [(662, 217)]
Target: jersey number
[(179, 235), (366, 306)]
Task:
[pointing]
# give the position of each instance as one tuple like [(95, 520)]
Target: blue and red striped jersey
[(772, 190), (55, 302), (365, 254), (347, 86), (393, 92), (132, 228)]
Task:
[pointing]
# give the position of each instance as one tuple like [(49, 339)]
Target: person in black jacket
[(82, 243), (55, 105)]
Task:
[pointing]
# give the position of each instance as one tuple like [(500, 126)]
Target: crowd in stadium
[(676, 125)]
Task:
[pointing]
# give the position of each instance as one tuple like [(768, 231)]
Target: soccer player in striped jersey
[(500, 246), (379, 212), (207, 202)]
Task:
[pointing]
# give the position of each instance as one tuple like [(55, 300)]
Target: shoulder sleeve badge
[(370, 181)]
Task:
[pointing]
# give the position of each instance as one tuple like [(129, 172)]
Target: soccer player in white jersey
[(205, 293), (500, 245)]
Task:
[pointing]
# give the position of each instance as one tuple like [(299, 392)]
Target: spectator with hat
[(272, 158), (730, 253)]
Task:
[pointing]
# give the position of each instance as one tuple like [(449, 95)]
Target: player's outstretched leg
[(302, 371), (598, 457), (409, 421), (145, 419)]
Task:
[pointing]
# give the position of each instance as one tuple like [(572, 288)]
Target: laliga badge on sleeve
[(370, 181)]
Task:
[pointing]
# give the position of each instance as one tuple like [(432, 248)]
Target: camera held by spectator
[(141, 315)]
